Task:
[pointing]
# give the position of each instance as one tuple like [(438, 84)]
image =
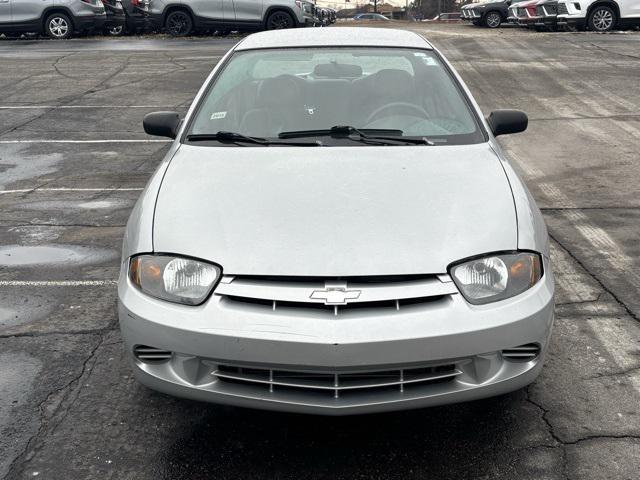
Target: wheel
[(278, 20), (116, 31), (492, 19), (602, 19), (178, 23), (58, 26)]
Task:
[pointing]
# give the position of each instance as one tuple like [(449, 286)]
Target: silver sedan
[(335, 230)]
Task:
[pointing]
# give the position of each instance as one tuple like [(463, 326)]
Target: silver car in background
[(335, 231), (57, 19), (182, 17)]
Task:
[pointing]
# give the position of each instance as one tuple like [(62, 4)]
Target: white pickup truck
[(599, 15)]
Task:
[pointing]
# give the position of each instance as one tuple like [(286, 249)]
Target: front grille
[(337, 384), (523, 353), (148, 354), (521, 12), (382, 306), (539, 11), (562, 9), (333, 297), (551, 9)]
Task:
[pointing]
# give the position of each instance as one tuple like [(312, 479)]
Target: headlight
[(497, 277), (175, 279)]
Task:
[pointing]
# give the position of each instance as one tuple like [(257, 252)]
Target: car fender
[(532, 230)]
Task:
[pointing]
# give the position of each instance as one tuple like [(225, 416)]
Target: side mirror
[(162, 124), (503, 122)]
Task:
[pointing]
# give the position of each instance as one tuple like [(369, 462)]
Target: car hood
[(334, 211)]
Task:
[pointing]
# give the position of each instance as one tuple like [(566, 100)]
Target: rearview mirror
[(162, 124), (503, 122)]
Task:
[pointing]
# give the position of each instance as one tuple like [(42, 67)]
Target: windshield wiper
[(366, 135), (233, 137)]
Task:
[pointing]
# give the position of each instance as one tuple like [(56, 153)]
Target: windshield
[(263, 93)]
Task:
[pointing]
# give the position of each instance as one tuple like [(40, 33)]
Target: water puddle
[(16, 255), (65, 205)]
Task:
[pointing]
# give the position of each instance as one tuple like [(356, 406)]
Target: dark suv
[(489, 14)]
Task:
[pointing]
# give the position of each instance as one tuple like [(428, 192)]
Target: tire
[(602, 19), (279, 20), (178, 23), (116, 31), (492, 20), (58, 26)]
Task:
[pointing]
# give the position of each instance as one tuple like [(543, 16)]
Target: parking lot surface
[(74, 158)]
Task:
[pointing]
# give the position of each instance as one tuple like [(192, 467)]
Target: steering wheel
[(378, 112)]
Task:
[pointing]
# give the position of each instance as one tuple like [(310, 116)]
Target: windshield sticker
[(218, 115)]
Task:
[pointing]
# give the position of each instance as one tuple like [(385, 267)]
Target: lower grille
[(523, 353), (337, 384), (151, 354), (551, 9)]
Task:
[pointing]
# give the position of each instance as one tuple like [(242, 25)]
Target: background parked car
[(115, 21), (449, 17), (546, 14), (182, 17), (523, 13), (135, 15), (599, 15), (370, 16), (56, 19), (490, 14)]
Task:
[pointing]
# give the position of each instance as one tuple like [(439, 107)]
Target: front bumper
[(571, 21), (471, 15), (92, 22), (449, 334)]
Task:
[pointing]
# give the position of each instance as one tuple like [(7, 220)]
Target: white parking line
[(56, 283), (6, 142), (69, 189)]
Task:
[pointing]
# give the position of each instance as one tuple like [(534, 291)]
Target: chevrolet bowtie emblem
[(335, 295)]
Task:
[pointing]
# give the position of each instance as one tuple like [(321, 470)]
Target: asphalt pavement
[(74, 158)]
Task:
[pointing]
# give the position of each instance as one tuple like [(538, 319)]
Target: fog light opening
[(147, 354), (522, 353)]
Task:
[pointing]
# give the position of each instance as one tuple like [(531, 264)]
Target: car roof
[(334, 37)]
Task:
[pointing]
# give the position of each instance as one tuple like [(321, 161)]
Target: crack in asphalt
[(30, 446), (600, 283), (90, 331), (60, 59), (624, 372), (562, 209), (579, 302)]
